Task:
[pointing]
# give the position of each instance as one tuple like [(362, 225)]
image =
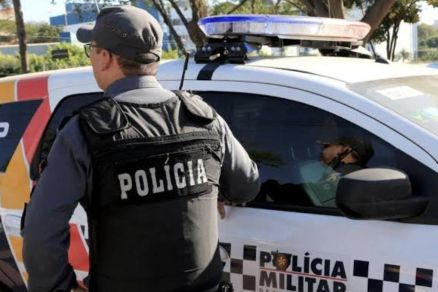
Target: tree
[(374, 10), (374, 13), (199, 10), (425, 32), (404, 54), (403, 11), (159, 5), (432, 42), (253, 6), (21, 32), (42, 32)]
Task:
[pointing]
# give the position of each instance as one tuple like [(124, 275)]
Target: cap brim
[(148, 58), (84, 34)]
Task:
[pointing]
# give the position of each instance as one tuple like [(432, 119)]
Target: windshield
[(415, 98)]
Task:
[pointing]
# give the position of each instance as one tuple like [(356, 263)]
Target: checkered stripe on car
[(241, 259), (390, 280)]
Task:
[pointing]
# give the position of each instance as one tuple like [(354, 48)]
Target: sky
[(429, 14), (41, 10)]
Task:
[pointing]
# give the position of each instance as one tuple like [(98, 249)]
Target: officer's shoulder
[(70, 129), (196, 105), (104, 116)]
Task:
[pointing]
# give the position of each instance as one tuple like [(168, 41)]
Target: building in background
[(79, 13)]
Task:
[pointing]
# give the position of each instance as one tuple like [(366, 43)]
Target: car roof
[(342, 69), (348, 70)]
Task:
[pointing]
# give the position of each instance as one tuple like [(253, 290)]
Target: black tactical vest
[(152, 215)]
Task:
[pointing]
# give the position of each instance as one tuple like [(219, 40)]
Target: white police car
[(278, 108)]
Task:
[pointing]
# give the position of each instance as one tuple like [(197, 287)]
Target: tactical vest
[(152, 213)]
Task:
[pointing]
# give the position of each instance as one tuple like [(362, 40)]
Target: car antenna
[(377, 57), (186, 63)]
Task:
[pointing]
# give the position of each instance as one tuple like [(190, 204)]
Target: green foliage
[(255, 7), (76, 58), (36, 32), (427, 36), (402, 11), (427, 55), (42, 33), (10, 65), (434, 3), (432, 42), (404, 56), (425, 31), (7, 26), (7, 31), (428, 43), (173, 54)]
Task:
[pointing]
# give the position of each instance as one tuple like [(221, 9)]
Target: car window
[(63, 111), (286, 139), (413, 97)]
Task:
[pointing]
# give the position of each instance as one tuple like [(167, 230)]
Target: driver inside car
[(338, 157)]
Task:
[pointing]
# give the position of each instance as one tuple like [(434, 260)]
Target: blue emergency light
[(284, 27)]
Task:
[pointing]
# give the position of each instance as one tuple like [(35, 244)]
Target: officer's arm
[(46, 230), (239, 180)]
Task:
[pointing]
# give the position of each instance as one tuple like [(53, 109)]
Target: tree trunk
[(376, 14), (195, 33), (336, 9), (276, 7), (21, 33), (394, 39), (316, 7), (237, 6), (391, 42), (160, 7), (388, 44), (199, 10)]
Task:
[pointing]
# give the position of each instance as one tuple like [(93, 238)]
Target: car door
[(15, 183), (16, 114), (283, 241)]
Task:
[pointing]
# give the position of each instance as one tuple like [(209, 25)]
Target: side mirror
[(378, 193)]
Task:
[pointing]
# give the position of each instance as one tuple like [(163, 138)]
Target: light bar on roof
[(285, 27)]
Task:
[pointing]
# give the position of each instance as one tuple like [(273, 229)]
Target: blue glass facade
[(86, 12), (77, 13)]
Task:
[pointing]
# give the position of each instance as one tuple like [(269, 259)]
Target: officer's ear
[(104, 59)]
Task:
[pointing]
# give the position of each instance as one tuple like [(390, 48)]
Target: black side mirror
[(378, 193)]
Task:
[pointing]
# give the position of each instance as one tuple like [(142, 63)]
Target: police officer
[(339, 156), (346, 154), (147, 165)]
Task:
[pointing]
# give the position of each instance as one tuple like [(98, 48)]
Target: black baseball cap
[(127, 31)]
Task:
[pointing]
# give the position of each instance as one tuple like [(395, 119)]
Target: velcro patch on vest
[(167, 177)]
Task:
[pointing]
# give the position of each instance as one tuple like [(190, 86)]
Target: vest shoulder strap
[(104, 117), (196, 107)]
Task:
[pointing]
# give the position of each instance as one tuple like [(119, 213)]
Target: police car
[(381, 236)]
